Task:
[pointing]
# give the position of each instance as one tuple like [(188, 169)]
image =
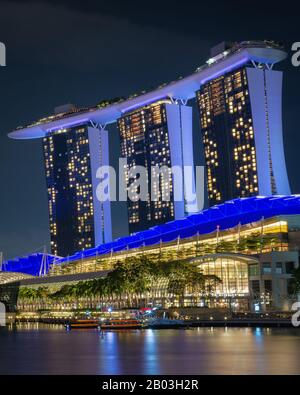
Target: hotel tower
[(78, 220), (241, 125)]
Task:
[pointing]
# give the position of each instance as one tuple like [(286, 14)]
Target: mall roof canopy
[(223, 216), (11, 277)]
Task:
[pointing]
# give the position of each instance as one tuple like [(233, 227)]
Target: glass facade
[(233, 273), (228, 137), (145, 142), (69, 188)]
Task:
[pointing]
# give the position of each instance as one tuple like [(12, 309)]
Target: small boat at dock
[(83, 324), (121, 324)]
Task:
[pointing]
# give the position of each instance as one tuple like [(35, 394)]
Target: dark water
[(51, 350)]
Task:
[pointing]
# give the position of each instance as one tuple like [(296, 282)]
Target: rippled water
[(38, 349)]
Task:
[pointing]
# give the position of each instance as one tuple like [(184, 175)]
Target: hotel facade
[(239, 100), (78, 220), (241, 123)]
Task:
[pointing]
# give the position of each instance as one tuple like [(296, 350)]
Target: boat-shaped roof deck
[(183, 89)]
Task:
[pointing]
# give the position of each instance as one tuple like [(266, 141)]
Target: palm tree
[(294, 283), (181, 275)]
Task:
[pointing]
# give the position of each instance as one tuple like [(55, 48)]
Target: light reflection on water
[(45, 349)]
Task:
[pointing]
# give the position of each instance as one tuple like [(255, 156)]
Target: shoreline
[(232, 323)]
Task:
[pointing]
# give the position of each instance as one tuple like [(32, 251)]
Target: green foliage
[(141, 274), (34, 293)]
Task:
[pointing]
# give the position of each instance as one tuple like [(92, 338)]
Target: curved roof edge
[(11, 277), (224, 216)]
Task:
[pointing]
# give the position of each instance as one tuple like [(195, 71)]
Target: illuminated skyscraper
[(159, 134), (77, 219), (240, 116)]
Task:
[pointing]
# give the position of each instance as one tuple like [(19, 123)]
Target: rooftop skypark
[(184, 88)]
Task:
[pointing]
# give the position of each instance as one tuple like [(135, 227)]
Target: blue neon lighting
[(224, 216), (27, 264)]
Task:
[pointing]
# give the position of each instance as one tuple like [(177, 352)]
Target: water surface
[(44, 349)]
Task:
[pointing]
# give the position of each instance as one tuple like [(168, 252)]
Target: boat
[(165, 323), (121, 324), (83, 324)]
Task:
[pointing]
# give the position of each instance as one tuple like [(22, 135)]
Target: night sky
[(82, 52)]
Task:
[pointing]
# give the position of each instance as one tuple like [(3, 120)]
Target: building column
[(99, 156), (180, 128), (265, 89)]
